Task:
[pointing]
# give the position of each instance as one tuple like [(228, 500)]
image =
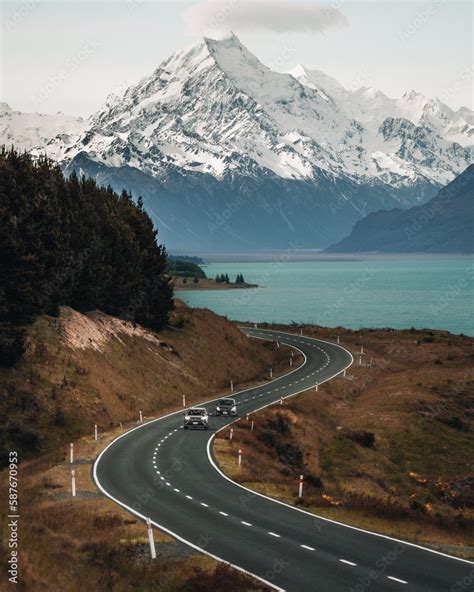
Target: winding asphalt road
[(160, 471)]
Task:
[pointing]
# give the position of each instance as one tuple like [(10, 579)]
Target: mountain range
[(231, 155), (442, 225)]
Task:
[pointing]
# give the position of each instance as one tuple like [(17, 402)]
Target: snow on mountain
[(213, 126), (215, 108), (38, 131)]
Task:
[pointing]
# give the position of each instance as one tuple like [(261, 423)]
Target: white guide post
[(344, 373), (281, 400), (73, 483), (338, 338), (316, 388), (231, 386), (291, 362), (151, 539), (361, 349), (271, 372), (301, 332), (247, 418), (360, 360), (184, 400), (240, 457), (71, 453), (251, 427), (300, 491), (141, 417), (95, 432), (231, 433)]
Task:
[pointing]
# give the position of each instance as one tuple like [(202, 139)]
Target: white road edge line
[(377, 534), (217, 558)]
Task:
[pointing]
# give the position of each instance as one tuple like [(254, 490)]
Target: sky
[(69, 56)]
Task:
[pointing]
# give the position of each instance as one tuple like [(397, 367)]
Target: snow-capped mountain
[(36, 131), (246, 157)]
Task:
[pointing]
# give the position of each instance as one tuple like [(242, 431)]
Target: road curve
[(161, 471)]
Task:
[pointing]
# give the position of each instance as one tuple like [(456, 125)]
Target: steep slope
[(444, 224), (84, 369)]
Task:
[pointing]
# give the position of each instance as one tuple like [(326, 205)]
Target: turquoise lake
[(400, 293)]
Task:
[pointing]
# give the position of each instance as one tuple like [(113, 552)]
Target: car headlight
[(186, 417), (218, 408), (234, 408)]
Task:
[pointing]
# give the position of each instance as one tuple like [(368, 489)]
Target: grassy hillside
[(82, 369), (86, 369), (385, 448)]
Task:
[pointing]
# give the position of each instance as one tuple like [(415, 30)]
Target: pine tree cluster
[(222, 279), (67, 241), (239, 279)]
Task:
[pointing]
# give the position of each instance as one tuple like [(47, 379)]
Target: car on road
[(226, 407), (196, 417)]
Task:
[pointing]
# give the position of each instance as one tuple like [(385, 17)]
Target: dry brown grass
[(413, 482)]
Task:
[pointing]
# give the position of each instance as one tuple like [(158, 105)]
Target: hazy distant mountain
[(229, 154), (39, 131), (443, 225)]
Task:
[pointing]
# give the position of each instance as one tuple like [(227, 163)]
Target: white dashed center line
[(205, 505), (223, 514), (189, 497), (309, 548), (347, 562), (274, 534), (245, 523), (397, 580)]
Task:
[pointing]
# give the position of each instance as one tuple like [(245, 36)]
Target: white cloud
[(213, 17)]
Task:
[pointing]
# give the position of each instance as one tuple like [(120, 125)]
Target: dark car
[(226, 407)]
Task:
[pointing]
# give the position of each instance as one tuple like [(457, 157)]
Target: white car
[(196, 417)]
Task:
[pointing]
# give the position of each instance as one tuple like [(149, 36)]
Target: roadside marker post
[(300, 491), (71, 453), (278, 344), (316, 388), (73, 483), (301, 332), (251, 427), (240, 457), (281, 400), (231, 433), (247, 418), (344, 373), (141, 417), (255, 325), (361, 349), (338, 338), (291, 362), (360, 360), (184, 400), (121, 426), (271, 372), (151, 539), (95, 432), (231, 386)]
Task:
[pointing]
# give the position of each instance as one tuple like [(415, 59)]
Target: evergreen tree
[(226, 279), (218, 279), (71, 242)]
